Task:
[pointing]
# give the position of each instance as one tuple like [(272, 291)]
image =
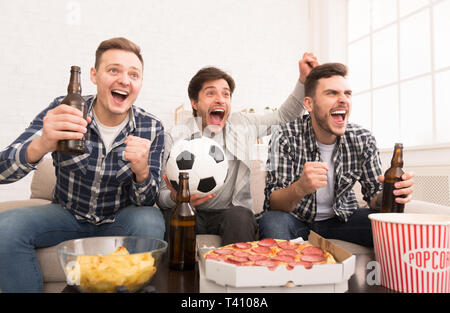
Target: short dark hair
[(204, 75), (325, 70), (119, 43)]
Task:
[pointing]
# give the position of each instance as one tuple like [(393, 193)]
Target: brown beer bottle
[(74, 99), (182, 228), (391, 176)]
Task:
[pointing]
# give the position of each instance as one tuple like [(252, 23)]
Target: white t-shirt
[(110, 133), (325, 195)]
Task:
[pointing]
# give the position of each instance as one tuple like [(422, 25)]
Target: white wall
[(329, 26), (259, 42)]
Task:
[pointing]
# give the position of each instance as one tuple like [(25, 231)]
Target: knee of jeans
[(148, 221), (240, 216), (274, 224), (12, 227)]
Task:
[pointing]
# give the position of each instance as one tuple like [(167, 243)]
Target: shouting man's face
[(213, 104), (330, 108)]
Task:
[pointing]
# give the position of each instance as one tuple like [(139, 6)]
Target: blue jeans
[(282, 225), (22, 230)]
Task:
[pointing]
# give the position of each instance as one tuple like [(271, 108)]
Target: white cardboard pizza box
[(208, 286), (325, 277)]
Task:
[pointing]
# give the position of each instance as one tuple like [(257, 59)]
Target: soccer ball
[(203, 159)]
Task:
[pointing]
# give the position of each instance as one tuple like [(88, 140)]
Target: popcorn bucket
[(413, 251)]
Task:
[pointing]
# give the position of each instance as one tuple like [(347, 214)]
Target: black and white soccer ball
[(203, 159)]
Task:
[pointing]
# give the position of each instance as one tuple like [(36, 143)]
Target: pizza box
[(208, 286), (229, 275)]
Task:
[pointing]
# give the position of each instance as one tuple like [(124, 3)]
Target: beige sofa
[(44, 180)]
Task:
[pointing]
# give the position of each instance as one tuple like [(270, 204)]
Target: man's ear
[(308, 104), (194, 104), (93, 75)]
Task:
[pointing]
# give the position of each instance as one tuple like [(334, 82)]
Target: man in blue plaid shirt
[(109, 190), (314, 162)]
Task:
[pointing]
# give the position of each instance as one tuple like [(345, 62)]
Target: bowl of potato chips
[(110, 264)]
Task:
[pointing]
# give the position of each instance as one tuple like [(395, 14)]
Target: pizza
[(271, 253)]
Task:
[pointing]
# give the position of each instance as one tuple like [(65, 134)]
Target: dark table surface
[(167, 280)]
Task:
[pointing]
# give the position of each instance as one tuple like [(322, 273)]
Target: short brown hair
[(204, 75), (326, 70), (119, 43)]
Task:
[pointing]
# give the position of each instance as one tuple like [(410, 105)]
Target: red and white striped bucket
[(413, 251)]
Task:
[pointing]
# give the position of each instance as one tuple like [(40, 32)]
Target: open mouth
[(216, 116), (119, 95), (339, 115)]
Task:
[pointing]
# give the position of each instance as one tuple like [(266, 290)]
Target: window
[(399, 69)]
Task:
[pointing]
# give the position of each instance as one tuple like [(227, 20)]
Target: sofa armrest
[(8, 205), (418, 206)]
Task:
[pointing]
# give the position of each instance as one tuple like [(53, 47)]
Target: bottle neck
[(74, 83), (397, 158), (183, 194)]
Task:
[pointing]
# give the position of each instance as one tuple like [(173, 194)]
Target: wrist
[(35, 151), (298, 190), (142, 176)]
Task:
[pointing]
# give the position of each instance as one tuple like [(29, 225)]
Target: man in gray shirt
[(229, 212)]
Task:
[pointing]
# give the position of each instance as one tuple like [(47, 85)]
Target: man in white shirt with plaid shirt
[(109, 190), (314, 162)]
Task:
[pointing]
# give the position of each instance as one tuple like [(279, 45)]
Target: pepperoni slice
[(311, 250), (261, 250), (288, 252), (307, 265), (272, 265), (313, 258), (241, 254), (287, 245), (257, 257), (242, 245), (236, 260), (213, 256), (223, 251), (284, 258), (268, 242)]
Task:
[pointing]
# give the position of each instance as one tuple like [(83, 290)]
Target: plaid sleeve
[(371, 169), (280, 165), (146, 193), (13, 163)]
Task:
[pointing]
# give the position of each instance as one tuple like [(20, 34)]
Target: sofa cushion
[(44, 180), (8, 205)]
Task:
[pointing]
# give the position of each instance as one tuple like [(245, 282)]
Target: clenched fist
[(136, 152), (314, 176), (306, 64)]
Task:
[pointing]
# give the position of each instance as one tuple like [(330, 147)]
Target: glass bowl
[(110, 264)]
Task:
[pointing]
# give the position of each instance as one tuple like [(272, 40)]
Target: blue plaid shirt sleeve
[(146, 193), (280, 166), (371, 169), (13, 163)]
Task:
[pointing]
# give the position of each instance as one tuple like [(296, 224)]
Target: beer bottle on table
[(74, 99), (182, 228), (391, 176)]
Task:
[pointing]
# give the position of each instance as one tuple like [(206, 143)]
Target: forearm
[(35, 151), (375, 202), (286, 199), (13, 163)]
